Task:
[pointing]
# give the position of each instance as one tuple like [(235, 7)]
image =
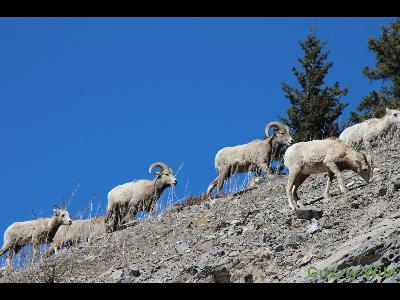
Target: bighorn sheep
[(36, 232), (367, 132), (125, 200), (78, 231), (254, 156), (320, 156)]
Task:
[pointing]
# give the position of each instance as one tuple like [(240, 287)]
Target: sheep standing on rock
[(36, 232), (320, 156), (255, 156), (369, 131), (78, 231), (125, 200)]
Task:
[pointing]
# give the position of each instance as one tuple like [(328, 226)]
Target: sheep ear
[(387, 111), (157, 173), (369, 159), (55, 211)]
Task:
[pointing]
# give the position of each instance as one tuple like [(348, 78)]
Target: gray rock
[(183, 246), (396, 182), (313, 227), (308, 213), (355, 204), (296, 238), (117, 274)]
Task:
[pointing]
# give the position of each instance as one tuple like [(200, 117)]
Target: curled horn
[(160, 165), (274, 124)]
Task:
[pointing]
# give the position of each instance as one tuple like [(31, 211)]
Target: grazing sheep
[(320, 156), (125, 200), (36, 232), (78, 231), (254, 156), (367, 132)]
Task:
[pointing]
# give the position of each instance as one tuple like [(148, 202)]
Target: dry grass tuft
[(192, 200)]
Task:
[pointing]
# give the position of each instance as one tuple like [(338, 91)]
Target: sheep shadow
[(334, 194)]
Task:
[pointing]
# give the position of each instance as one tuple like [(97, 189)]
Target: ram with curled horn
[(255, 156), (125, 200)]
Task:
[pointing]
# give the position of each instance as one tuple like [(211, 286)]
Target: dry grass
[(192, 200)]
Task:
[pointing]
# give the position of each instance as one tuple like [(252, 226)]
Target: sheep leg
[(6, 247), (51, 250), (368, 145), (221, 178), (118, 216), (9, 259), (266, 169), (130, 216), (299, 180), (35, 249), (335, 170), (110, 218), (328, 184), (289, 189), (153, 206), (13, 250), (266, 165)]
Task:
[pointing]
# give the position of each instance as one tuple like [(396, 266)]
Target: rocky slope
[(251, 237)]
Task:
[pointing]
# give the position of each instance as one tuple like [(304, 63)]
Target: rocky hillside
[(252, 237)]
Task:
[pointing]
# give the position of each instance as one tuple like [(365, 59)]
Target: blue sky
[(97, 100)]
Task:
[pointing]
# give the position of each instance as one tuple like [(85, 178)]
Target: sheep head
[(281, 134), (393, 116), (62, 216), (364, 166), (166, 174)]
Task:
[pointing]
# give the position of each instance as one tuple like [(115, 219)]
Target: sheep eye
[(395, 115), (62, 216), (166, 174)]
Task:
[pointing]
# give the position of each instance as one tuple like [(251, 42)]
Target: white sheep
[(320, 156), (35, 232), (78, 231), (125, 200), (369, 131), (255, 156)]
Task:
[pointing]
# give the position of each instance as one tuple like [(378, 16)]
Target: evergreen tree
[(387, 70), (315, 107)]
